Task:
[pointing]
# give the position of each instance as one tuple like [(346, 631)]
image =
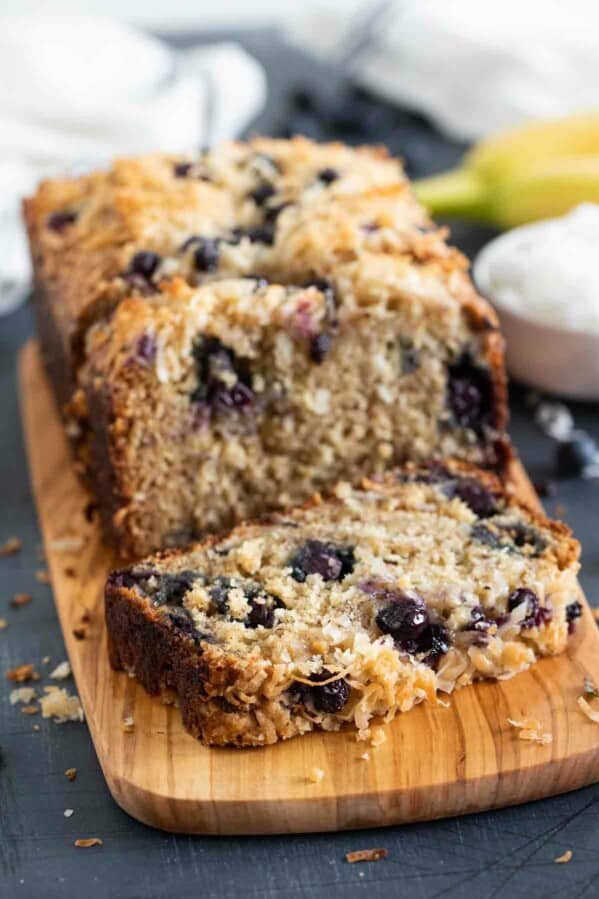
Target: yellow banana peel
[(525, 174)]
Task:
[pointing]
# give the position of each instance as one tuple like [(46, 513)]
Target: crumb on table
[(10, 547), (366, 855)]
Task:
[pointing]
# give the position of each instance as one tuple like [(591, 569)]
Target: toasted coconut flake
[(61, 705), (22, 673), (366, 855), (586, 709), (530, 730), (61, 671), (20, 599), (88, 843), (565, 858), (315, 775), (70, 773), (22, 694), (365, 756), (29, 710), (128, 725), (43, 576), (378, 737), (12, 546)]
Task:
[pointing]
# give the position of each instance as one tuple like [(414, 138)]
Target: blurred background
[(441, 84)]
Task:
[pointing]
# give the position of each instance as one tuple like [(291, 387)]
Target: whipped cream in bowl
[(543, 280)]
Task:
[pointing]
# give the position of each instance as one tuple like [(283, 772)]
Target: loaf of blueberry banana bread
[(353, 607), (229, 334)]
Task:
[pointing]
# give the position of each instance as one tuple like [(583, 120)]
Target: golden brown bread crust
[(218, 688)]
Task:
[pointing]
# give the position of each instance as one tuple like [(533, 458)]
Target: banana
[(530, 172), (548, 190), (517, 149)]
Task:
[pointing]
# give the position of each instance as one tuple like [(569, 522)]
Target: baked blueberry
[(330, 561), (60, 220), (320, 346), (224, 378), (478, 620), (262, 604), (182, 169), (475, 495), (328, 175), (573, 611), (262, 193), (409, 356), (181, 622), (435, 642), (144, 263), (332, 697), (525, 595), (470, 395), (405, 617), (130, 578), (206, 255), (172, 587), (523, 535), (482, 534), (145, 349)]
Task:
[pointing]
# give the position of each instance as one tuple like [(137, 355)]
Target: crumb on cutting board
[(70, 773), (67, 544), (530, 729), (378, 737), (316, 775), (565, 858), (89, 842)]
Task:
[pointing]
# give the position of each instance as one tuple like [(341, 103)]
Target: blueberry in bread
[(232, 332), (355, 606)]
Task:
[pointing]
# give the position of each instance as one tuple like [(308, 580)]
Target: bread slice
[(351, 608), (230, 333)]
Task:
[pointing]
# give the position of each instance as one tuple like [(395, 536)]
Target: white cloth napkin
[(474, 67), (76, 91)]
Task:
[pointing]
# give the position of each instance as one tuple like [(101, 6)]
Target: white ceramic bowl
[(558, 360)]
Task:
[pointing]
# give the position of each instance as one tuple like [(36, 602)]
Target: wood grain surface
[(435, 761)]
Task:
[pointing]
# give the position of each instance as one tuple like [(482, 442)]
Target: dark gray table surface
[(503, 853)]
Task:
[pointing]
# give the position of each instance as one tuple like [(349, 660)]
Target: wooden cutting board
[(435, 761)]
